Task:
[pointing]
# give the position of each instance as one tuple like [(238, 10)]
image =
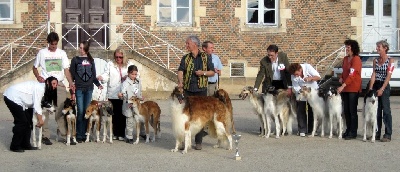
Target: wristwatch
[(204, 74)]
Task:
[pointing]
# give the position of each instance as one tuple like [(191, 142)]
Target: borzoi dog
[(370, 110), (69, 111), (277, 106), (257, 101), (223, 96), (106, 114), (317, 103), (147, 113), (93, 116), (46, 107), (334, 105), (191, 114)]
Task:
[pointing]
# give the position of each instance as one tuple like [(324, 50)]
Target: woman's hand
[(100, 78), (380, 92)]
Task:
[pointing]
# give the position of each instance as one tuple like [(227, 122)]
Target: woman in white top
[(24, 99), (304, 75), (116, 73)]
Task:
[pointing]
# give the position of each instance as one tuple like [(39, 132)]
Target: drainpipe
[(48, 16)]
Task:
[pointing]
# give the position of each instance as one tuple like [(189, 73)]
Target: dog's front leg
[(137, 131), (331, 123), (69, 126), (34, 136), (365, 129), (111, 129), (268, 126), (89, 127), (177, 143), (104, 126), (277, 126), (73, 130), (374, 123), (340, 128), (40, 138), (97, 129), (314, 127), (187, 141)]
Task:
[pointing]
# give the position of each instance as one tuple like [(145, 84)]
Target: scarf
[(202, 80)]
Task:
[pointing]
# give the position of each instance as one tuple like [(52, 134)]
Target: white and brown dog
[(106, 114), (316, 100), (257, 101), (370, 110), (147, 113), (93, 116), (46, 107), (191, 114), (69, 112)]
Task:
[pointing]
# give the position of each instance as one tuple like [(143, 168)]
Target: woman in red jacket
[(351, 86)]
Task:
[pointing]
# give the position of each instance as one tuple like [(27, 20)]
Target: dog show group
[(289, 91)]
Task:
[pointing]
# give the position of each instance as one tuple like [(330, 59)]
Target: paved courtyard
[(289, 153)]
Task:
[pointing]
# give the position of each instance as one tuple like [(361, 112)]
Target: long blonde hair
[(124, 59)]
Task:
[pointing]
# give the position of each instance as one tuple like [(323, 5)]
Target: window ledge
[(8, 25), (262, 28), (174, 27)]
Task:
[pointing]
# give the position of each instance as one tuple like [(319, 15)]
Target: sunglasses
[(119, 57)]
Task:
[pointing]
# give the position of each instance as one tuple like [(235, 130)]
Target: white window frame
[(174, 14), (9, 20), (261, 14)]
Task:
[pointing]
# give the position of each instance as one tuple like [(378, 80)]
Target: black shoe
[(79, 140), (344, 135), (350, 136), (46, 141), (143, 137), (130, 141), (17, 150)]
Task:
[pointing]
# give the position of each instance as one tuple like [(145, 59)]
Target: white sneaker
[(302, 134), (121, 139), (115, 137)]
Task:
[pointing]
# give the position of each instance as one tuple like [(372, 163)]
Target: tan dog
[(106, 114), (191, 114), (147, 112), (223, 96), (93, 116), (69, 111)]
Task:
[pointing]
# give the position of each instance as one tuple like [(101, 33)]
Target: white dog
[(317, 103), (369, 112), (334, 105), (46, 106)]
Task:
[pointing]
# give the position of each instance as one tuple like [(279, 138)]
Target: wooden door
[(90, 15)]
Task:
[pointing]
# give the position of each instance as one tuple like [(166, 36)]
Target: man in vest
[(193, 73)]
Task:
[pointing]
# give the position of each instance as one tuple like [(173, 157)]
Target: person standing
[(304, 75), (381, 74), (83, 71), (53, 62), (193, 73), (273, 71), (208, 47), (24, 99), (116, 73), (131, 87), (351, 86)]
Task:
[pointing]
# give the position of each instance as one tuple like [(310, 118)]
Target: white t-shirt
[(27, 94), (52, 63)]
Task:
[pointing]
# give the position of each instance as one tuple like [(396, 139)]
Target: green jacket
[(265, 74)]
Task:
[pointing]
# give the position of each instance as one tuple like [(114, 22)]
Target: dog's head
[(92, 109), (272, 90), (178, 94), (372, 95), (69, 107), (246, 91), (331, 91), (222, 95), (106, 108), (47, 106), (134, 100), (302, 93)]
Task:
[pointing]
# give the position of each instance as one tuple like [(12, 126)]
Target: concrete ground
[(289, 153)]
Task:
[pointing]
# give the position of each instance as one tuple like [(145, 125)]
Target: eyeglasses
[(119, 57)]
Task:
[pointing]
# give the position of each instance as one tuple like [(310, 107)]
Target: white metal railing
[(142, 41)]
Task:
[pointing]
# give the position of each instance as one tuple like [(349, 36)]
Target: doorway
[(90, 15)]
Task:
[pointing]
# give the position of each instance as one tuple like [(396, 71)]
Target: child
[(131, 87)]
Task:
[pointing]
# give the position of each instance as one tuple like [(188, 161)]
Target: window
[(175, 12), (237, 69), (6, 10), (262, 12)]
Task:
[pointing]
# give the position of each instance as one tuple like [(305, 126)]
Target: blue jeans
[(384, 113), (83, 99)]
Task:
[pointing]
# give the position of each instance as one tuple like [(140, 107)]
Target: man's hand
[(40, 121), (290, 92), (200, 72), (40, 79), (72, 86)]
